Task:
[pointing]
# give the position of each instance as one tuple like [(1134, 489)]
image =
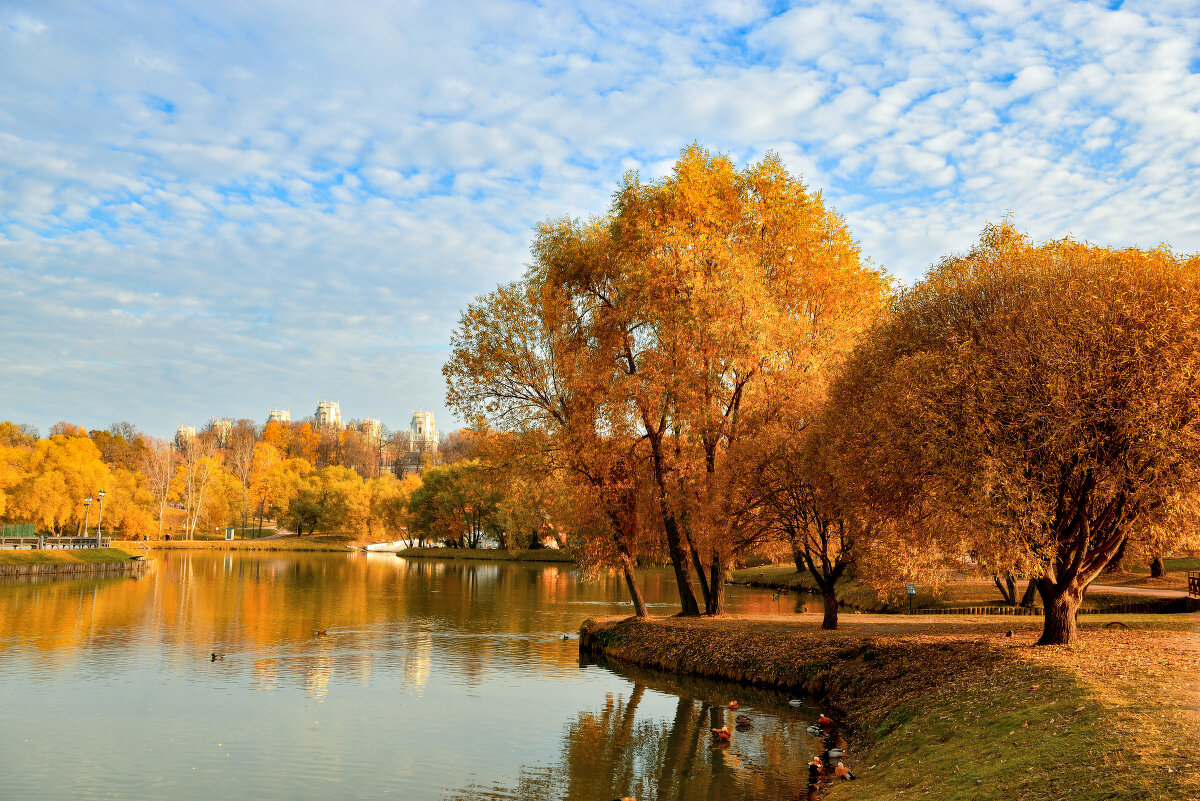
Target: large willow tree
[(655, 344), (1039, 403)]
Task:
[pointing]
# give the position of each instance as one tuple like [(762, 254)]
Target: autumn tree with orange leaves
[(1042, 402), (653, 344)]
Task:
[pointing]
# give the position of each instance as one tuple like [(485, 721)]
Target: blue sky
[(209, 208)]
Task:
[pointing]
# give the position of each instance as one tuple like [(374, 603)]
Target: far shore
[(490, 554), (306, 543), (955, 708)]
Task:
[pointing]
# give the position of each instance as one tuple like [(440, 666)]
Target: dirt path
[(1157, 593)]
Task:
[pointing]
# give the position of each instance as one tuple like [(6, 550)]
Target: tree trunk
[(1117, 563), (798, 558), (716, 588), (1008, 589), (688, 604), (705, 587), (1030, 592), (828, 594), (1061, 605), (1157, 567), (635, 593)]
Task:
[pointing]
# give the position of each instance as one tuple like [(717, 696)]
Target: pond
[(433, 680)]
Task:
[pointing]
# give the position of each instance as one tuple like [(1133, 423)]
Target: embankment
[(51, 563), (952, 708)]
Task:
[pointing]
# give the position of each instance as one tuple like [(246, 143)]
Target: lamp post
[(99, 517), (87, 507)]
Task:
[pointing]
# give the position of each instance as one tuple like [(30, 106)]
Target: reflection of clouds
[(266, 674), (416, 661), (316, 682)]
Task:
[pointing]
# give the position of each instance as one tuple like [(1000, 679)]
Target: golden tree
[(745, 293), (1042, 400), (655, 342)]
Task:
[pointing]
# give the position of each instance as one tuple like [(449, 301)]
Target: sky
[(211, 208)]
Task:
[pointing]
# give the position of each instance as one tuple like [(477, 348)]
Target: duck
[(842, 772), (743, 721), (721, 735), (733, 704), (217, 656), (320, 632), (835, 753), (824, 721), (814, 730), (795, 702)]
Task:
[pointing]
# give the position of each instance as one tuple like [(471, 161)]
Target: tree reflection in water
[(625, 749)]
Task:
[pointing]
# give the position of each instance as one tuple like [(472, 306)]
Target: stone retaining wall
[(67, 570)]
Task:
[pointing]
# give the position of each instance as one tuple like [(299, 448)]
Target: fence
[(1194, 583), (17, 530), (1145, 607)]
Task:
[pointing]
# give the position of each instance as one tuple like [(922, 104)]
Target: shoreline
[(128, 567), (282, 544), (547, 555), (955, 708)]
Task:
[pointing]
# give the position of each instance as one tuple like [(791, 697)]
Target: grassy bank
[(491, 554), (306, 543), (951, 708), (949, 596), (55, 556)]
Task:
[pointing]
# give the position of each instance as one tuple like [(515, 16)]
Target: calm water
[(436, 680)]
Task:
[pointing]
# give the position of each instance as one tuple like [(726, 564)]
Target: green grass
[(490, 554), (1000, 740), (85, 556)]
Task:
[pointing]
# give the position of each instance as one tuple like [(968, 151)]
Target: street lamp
[(87, 507), (99, 517)]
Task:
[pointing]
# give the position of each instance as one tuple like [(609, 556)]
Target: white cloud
[(208, 208)]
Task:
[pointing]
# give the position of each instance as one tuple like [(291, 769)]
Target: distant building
[(419, 441), (222, 427), (277, 415), (371, 429), (423, 433), (184, 435), (329, 413)]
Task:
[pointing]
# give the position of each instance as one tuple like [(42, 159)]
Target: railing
[(54, 542), (1194, 583)]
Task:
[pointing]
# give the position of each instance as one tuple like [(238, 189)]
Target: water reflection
[(434, 679), (654, 742)]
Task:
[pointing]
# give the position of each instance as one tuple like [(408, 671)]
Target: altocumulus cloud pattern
[(210, 207)]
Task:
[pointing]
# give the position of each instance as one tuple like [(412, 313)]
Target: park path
[(1158, 593), (279, 534)]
